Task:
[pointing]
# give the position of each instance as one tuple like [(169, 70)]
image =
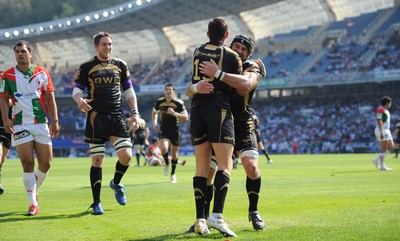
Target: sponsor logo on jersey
[(23, 95), (107, 80), (21, 134)]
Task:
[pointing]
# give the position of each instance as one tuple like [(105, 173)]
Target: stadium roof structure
[(146, 30), (138, 15), (150, 14)]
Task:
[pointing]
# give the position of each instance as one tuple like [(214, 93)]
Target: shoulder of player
[(229, 50), (160, 99), (118, 60), (88, 62), (180, 101), (9, 72), (380, 109), (39, 68), (250, 66)]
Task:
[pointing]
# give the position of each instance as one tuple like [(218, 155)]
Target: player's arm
[(83, 104), (379, 123), (77, 92), (201, 87), (130, 96), (240, 82), (181, 116), (147, 134), (52, 107), (131, 99), (154, 118)]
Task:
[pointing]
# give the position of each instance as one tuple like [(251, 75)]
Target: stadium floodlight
[(26, 31), (96, 16), (87, 18), (16, 32), (60, 25), (69, 23), (130, 5), (78, 20), (7, 34), (139, 2), (121, 9), (105, 14), (148, 1), (41, 29)]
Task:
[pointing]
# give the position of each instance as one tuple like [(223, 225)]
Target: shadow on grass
[(352, 172), (183, 236), (10, 217), (132, 185)]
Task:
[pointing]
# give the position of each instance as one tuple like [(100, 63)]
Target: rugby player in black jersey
[(103, 77), (246, 144), (211, 126), (172, 111)]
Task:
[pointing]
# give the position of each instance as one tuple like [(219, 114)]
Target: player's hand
[(8, 126), (204, 87), (54, 129), (155, 127), (84, 106), (208, 68), (135, 120), (170, 111)]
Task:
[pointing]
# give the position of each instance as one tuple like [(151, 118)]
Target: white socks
[(40, 178), (30, 187)]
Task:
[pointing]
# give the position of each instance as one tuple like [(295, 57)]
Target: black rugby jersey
[(103, 81), (167, 121), (227, 61), (240, 105)]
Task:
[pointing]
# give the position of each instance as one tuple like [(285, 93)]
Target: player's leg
[(253, 185), (263, 151), (164, 146), (223, 154), (124, 153), (203, 157), (174, 161), (385, 145), (44, 153), (137, 154), (98, 152), (25, 153), (210, 185)]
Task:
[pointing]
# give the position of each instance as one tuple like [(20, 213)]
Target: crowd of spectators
[(294, 125), (319, 125), (165, 73)]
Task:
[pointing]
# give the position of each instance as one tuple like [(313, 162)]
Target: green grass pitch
[(303, 197)]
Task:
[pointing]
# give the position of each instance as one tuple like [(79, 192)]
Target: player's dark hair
[(98, 36), (168, 85), (217, 28), (385, 100), (22, 43)]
